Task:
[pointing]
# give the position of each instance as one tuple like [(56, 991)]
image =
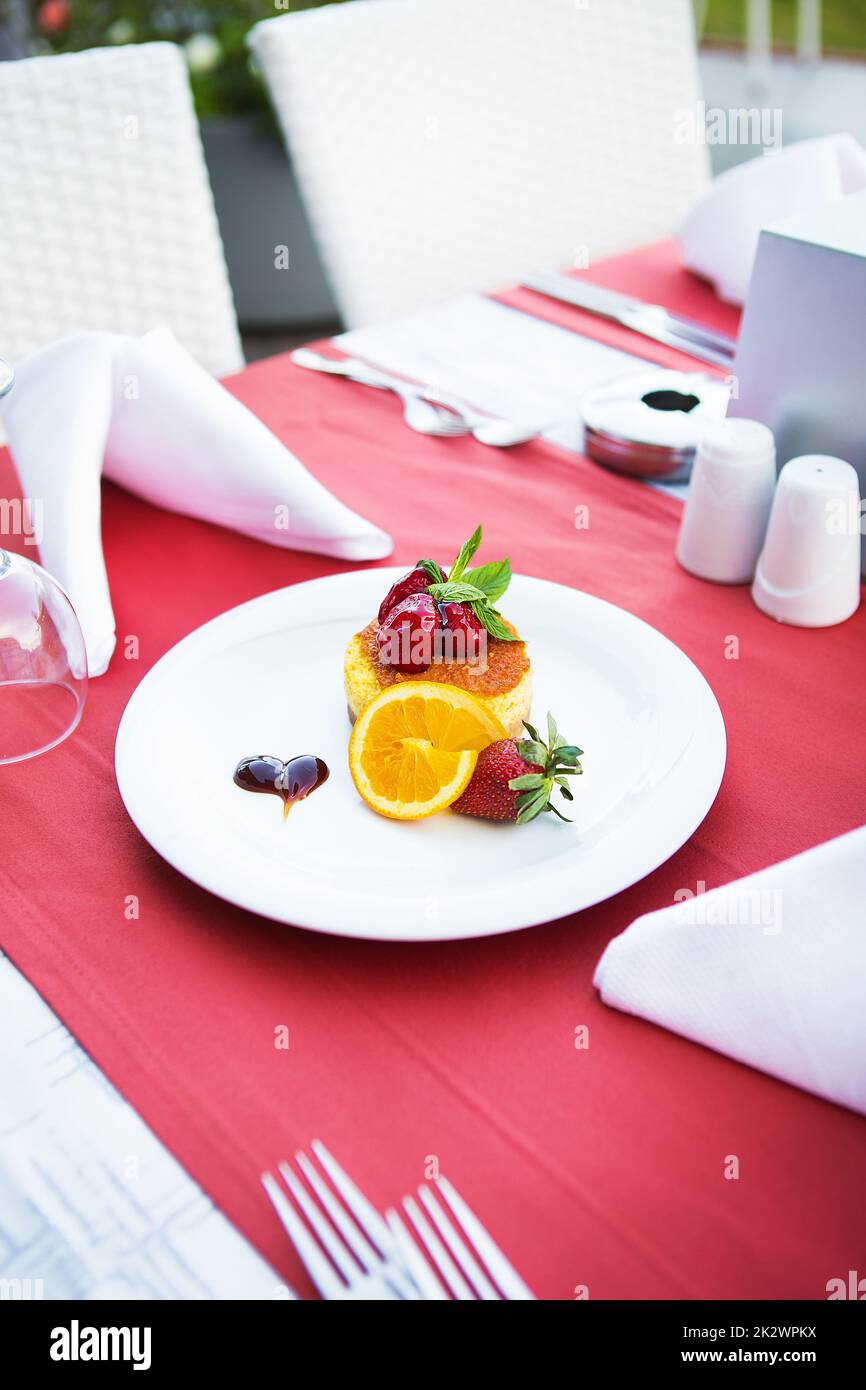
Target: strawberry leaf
[(558, 760), (532, 752), (568, 753), (534, 807)]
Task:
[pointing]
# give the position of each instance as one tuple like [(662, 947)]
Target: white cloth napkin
[(147, 415), (770, 969), (719, 236)]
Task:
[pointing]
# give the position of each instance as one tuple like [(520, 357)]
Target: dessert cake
[(433, 627)]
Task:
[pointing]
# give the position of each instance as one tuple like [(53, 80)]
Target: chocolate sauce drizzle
[(291, 781)]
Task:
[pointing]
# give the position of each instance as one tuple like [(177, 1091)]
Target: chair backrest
[(446, 145), (106, 214)]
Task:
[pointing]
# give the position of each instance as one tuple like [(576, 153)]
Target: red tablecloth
[(601, 1167)]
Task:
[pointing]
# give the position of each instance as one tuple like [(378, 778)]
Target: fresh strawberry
[(514, 778), (489, 793)]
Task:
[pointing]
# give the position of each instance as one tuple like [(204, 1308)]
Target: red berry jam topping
[(406, 638), (466, 636), (415, 582)]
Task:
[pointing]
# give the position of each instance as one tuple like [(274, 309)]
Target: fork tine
[(318, 1267), (358, 1242), (502, 1270), (369, 1220), (331, 1242), (431, 1287), (364, 1212), (461, 1252), (438, 1254)]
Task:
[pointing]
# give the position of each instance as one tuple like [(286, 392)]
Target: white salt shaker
[(808, 573), (728, 503)]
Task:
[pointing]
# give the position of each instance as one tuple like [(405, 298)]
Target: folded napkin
[(770, 969), (719, 236), (144, 413)]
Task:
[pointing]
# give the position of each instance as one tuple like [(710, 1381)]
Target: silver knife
[(651, 320)]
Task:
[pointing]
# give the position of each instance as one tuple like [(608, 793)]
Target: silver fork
[(424, 416), (479, 1273), (494, 430), (345, 1258)]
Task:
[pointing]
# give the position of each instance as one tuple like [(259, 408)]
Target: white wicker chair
[(446, 145), (107, 215)]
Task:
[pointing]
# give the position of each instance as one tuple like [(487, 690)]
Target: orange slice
[(414, 747)]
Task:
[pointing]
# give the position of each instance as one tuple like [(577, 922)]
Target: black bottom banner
[(237, 1339)]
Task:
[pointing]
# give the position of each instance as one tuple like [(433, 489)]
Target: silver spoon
[(420, 414), (487, 429)]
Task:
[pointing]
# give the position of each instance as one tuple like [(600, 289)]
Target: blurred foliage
[(843, 22), (213, 31)]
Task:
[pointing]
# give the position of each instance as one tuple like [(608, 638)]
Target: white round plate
[(267, 677)]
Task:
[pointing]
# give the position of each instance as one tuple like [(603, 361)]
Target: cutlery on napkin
[(719, 236), (144, 413), (427, 409), (652, 320), (769, 969)]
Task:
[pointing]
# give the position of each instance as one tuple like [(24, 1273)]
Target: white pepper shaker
[(808, 572), (729, 499)]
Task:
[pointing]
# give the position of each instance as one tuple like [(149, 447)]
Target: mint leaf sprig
[(455, 591), (493, 578), (464, 554), (490, 618), (480, 587)]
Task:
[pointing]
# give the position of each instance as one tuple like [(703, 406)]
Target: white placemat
[(500, 360), (92, 1205)]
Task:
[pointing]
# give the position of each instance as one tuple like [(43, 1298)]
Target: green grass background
[(843, 24)]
